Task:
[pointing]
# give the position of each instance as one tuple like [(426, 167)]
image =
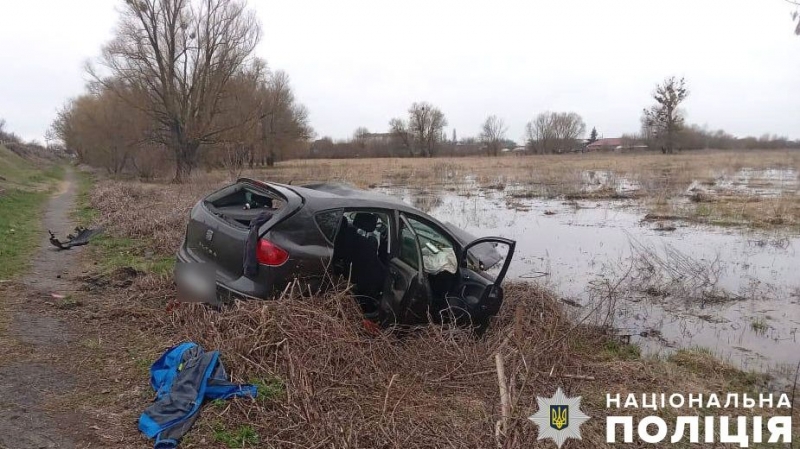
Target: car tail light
[(270, 254)]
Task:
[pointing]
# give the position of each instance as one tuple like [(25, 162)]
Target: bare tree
[(665, 119), (493, 134), (552, 132), (234, 157), (7, 136), (423, 130), (361, 138), (283, 119), (101, 128), (181, 55), (569, 127), (399, 130), (540, 134), (795, 15)]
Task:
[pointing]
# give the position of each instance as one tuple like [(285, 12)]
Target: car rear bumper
[(242, 286)]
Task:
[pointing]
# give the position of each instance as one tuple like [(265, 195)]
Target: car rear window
[(328, 222), (240, 203)]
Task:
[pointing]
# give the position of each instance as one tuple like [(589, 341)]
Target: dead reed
[(327, 381)]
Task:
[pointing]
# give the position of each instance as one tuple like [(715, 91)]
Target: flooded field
[(665, 284)]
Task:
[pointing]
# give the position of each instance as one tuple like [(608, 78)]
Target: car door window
[(409, 250), (328, 222), (438, 250)]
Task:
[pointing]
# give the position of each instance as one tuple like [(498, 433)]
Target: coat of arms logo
[(559, 417)]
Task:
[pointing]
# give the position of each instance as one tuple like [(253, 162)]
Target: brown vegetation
[(555, 132), (661, 183), (325, 380), (184, 89)]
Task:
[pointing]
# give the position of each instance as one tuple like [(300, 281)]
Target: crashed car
[(405, 266)]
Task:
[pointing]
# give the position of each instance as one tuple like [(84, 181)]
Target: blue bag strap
[(166, 443), (231, 391)]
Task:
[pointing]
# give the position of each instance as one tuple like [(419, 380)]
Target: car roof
[(336, 192), (322, 196)]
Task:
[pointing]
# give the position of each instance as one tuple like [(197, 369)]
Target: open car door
[(402, 288), (484, 263)]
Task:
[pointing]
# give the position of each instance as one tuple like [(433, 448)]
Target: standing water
[(748, 311)]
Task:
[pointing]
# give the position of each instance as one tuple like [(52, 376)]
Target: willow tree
[(181, 56)]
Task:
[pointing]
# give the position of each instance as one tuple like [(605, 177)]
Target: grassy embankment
[(24, 188)]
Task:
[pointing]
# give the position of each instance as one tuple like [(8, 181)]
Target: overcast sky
[(360, 63)]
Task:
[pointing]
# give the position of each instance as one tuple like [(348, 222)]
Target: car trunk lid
[(218, 229)]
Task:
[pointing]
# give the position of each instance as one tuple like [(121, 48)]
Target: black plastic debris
[(80, 237)]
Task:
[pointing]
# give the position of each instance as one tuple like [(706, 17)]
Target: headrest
[(365, 221)]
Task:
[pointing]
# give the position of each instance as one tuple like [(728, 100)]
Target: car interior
[(361, 251), (439, 260), (242, 204)]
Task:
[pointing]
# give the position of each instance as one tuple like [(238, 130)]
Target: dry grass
[(325, 381), (659, 181), (760, 212), (662, 182), (654, 171)]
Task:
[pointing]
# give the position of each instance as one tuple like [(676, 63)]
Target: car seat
[(369, 272)]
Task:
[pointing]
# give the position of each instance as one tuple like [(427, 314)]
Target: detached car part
[(81, 237)]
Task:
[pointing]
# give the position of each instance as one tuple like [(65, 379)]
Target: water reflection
[(573, 245)]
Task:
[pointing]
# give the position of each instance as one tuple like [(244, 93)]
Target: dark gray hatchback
[(406, 267)]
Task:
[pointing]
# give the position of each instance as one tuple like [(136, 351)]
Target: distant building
[(519, 150), (610, 144), (378, 137), (616, 144)]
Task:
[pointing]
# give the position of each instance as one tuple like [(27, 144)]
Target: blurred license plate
[(196, 282)]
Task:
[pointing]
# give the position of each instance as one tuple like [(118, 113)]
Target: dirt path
[(37, 371)]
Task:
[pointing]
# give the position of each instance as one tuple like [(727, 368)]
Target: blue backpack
[(184, 377)]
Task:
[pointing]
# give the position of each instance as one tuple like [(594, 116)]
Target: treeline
[(28, 150), (178, 87), (259, 123), (696, 137), (422, 133)]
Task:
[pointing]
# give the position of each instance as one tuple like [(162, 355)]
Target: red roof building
[(609, 144)]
